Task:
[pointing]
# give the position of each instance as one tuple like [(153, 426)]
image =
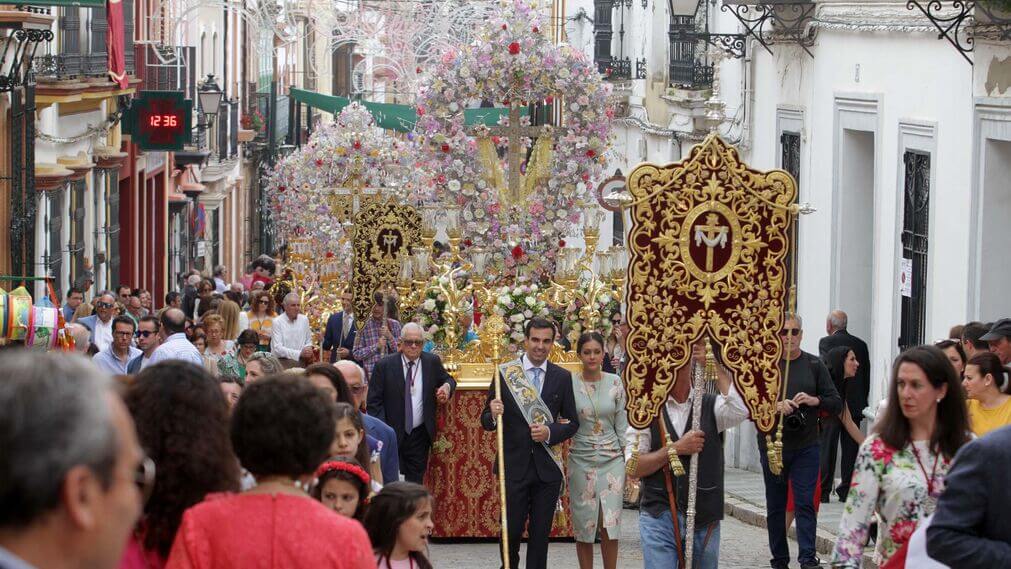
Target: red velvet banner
[(115, 43), (460, 474)]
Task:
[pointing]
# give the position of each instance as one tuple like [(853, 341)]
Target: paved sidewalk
[(745, 500)]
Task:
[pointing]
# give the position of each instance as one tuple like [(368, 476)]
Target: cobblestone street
[(743, 546)]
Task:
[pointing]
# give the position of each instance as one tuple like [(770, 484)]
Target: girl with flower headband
[(343, 486)]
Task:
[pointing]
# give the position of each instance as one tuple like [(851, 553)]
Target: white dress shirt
[(417, 395), (103, 334), (730, 411), (176, 347), (528, 368), (288, 337), (109, 362)]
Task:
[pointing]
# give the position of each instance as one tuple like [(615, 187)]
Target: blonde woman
[(261, 317), (230, 313)]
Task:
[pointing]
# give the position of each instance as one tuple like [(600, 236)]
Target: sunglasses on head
[(790, 332)]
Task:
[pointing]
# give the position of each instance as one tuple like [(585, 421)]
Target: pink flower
[(882, 452), (900, 532)]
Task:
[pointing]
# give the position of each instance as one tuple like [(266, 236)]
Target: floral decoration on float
[(304, 189), (518, 304), (514, 62)]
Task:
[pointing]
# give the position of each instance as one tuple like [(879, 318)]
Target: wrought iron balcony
[(691, 75)]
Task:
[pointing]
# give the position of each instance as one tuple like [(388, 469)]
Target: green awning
[(81, 3), (401, 118)]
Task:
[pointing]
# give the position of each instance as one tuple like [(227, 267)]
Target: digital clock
[(160, 120)]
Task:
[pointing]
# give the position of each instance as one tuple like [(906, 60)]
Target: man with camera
[(809, 388)]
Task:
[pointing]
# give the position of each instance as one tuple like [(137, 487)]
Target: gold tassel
[(676, 468), (633, 461)]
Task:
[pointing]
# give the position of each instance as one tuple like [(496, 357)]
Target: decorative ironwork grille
[(915, 245), (789, 143), (52, 259), (688, 66), (24, 202), (76, 211)]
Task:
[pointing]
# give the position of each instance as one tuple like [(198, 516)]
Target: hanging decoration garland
[(513, 61)]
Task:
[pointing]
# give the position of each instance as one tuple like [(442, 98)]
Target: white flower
[(429, 305), (433, 329), (453, 107), (454, 185), (517, 336), (516, 317), (528, 314), (530, 301), (533, 287)]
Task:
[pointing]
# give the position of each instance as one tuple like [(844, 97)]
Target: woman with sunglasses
[(261, 317), (614, 348), (235, 364), (170, 402)]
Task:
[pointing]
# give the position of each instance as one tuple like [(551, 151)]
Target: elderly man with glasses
[(100, 323), (403, 392), (809, 389)]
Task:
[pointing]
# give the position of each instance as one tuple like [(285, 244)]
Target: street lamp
[(210, 98)]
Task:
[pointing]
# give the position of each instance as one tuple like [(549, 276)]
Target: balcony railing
[(89, 58), (688, 67)]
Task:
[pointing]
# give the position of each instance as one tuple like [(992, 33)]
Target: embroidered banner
[(708, 257)]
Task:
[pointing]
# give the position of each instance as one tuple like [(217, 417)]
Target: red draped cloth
[(115, 43)]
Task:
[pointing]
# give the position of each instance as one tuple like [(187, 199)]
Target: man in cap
[(999, 338)]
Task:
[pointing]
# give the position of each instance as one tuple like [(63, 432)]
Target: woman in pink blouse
[(282, 428), (901, 467)]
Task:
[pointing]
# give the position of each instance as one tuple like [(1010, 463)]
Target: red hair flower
[(514, 48), (517, 252)]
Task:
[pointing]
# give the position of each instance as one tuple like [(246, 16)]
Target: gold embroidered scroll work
[(708, 251)]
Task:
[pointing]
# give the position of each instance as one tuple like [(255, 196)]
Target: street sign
[(159, 120)]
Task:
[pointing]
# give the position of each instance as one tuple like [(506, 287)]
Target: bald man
[(290, 336)]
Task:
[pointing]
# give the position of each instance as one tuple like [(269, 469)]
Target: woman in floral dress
[(901, 467), (596, 469)]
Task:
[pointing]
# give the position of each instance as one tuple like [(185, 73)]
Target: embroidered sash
[(534, 410)]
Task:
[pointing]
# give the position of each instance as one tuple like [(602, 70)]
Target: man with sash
[(662, 493), (537, 396)]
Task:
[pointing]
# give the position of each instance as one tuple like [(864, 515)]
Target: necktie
[(537, 379), (346, 325), (408, 402)]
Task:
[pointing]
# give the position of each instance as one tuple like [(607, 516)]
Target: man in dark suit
[(339, 337), (855, 396), (970, 529), (533, 476), (403, 392)]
